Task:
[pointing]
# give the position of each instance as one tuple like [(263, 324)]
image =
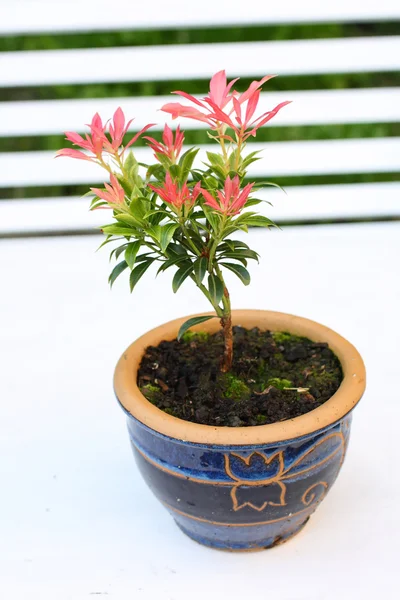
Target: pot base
[(262, 544)]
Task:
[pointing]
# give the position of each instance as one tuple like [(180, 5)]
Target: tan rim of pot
[(341, 403)]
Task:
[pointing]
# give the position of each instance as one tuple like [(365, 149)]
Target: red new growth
[(231, 200), (175, 194)]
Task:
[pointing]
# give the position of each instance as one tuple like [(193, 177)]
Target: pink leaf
[(217, 87), (238, 110), (71, 153), (178, 110), (139, 133), (75, 138), (252, 105), (189, 97), (119, 122), (253, 87), (266, 117)]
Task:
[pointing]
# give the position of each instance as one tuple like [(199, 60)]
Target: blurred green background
[(254, 33)]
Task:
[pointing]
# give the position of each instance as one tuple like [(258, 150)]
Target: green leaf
[(228, 245), (116, 272), (231, 246), (183, 157), (258, 221), (232, 160), (155, 232), (211, 183), (219, 172), (212, 217), (127, 219), (96, 203), (198, 214), (186, 162), (244, 216), (252, 202), (175, 172), (131, 170), (196, 238), (261, 184), (252, 154), (156, 216), (167, 233), (234, 257), (215, 159), (131, 166), (176, 249), (138, 208), (118, 251), (240, 271), (170, 262), (250, 158), (164, 160), (117, 229), (237, 244), (156, 211), (215, 288), (144, 257), (241, 253), (200, 268), (89, 193), (230, 229), (191, 322), (181, 275), (139, 271), (108, 239), (197, 175), (156, 171), (131, 252)]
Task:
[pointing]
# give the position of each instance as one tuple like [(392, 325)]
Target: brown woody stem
[(226, 324)]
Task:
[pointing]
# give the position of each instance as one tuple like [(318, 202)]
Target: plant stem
[(195, 250), (214, 247), (226, 324), (239, 147), (205, 291), (223, 148)]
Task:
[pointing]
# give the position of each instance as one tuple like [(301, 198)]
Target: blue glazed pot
[(247, 487)]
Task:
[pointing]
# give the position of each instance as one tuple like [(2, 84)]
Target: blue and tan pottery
[(241, 488)]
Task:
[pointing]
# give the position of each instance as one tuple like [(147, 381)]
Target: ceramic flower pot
[(245, 487)]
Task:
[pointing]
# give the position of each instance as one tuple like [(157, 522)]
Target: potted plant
[(239, 420)]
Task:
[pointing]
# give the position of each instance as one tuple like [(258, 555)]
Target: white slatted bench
[(198, 61), (76, 520)]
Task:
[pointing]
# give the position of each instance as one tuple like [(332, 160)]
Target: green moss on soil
[(151, 392), (280, 337), (234, 387), (195, 336), (280, 384), (261, 419)]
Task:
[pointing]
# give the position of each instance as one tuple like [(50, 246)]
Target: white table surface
[(76, 520)]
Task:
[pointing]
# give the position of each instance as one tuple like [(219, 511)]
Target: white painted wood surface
[(317, 107), (277, 158), (77, 522), (96, 15), (195, 61), (304, 203)]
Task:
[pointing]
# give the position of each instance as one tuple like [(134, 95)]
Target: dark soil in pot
[(275, 376)]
